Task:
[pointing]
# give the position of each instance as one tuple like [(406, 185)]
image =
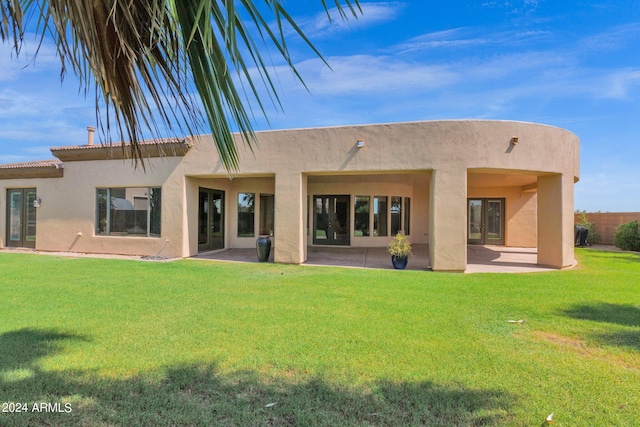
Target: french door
[(331, 220), (210, 219), (21, 217), (485, 221)]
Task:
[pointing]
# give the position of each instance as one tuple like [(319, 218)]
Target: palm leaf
[(144, 57)]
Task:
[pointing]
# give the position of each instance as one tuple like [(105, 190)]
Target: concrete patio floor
[(480, 259)]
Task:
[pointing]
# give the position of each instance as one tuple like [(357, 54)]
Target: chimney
[(91, 130)]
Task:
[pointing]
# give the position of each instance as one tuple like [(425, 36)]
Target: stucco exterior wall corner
[(555, 221), (290, 201), (448, 219), (178, 219)]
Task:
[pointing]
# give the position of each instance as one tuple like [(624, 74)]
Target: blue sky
[(574, 65)]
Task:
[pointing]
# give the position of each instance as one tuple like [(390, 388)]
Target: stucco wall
[(353, 185), (449, 147), (606, 223), (520, 213), (67, 215), (232, 188), (295, 164), (416, 146)]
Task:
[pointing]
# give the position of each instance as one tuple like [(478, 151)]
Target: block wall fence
[(606, 223)]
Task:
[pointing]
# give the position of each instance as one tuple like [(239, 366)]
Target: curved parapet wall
[(464, 144), (455, 155)]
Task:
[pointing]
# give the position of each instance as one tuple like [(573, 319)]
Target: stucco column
[(555, 221), (448, 220), (290, 204)]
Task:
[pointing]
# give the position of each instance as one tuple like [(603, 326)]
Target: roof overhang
[(41, 169), (148, 149)]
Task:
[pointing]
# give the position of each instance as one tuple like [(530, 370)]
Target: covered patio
[(480, 259)]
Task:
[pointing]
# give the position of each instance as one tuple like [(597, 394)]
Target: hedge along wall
[(606, 223)]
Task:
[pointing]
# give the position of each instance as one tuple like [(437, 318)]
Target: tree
[(146, 56)]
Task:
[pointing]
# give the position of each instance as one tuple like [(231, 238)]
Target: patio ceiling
[(501, 179), (389, 177), (475, 178)]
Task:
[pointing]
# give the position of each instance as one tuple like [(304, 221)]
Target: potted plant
[(400, 249)]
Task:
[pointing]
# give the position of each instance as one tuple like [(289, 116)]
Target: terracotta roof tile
[(37, 169), (150, 148), (119, 144), (37, 164)]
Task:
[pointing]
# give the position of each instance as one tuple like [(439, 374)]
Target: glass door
[(475, 222), (210, 219), (485, 221), (331, 220), (21, 217)]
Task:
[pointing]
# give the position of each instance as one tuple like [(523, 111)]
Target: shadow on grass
[(627, 315), (629, 339), (614, 256), (624, 315), (201, 395), (23, 347)]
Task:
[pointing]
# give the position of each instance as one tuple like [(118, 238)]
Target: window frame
[(358, 217), (267, 214), (395, 215), (106, 229), (380, 218), (251, 230), (407, 216)]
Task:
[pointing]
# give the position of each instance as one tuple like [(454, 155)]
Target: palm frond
[(11, 23), (143, 57)]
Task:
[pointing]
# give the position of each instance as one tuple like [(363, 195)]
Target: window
[(266, 214), (246, 203), (131, 211), (396, 215), (407, 216), (361, 222), (380, 216), (308, 216)]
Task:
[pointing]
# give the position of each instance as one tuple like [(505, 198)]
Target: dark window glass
[(102, 211), (361, 216), (407, 216), (246, 204), (396, 215), (267, 209), (380, 216), (133, 211), (155, 208)]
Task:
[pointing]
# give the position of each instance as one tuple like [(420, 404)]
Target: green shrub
[(628, 236), (593, 237)]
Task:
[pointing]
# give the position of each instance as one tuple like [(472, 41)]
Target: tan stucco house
[(447, 184)]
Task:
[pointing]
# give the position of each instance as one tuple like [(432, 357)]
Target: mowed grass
[(207, 343)]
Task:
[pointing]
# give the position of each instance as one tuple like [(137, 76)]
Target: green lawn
[(204, 343)]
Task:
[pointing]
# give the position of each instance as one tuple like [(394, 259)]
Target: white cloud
[(452, 38), (464, 37), (620, 83), (372, 14), (516, 7), (30, 59), (613, 39), (372, 74)]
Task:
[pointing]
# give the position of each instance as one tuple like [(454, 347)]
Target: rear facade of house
[(447, 184)]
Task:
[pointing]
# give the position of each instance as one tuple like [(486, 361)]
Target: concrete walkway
[(480, 259)]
